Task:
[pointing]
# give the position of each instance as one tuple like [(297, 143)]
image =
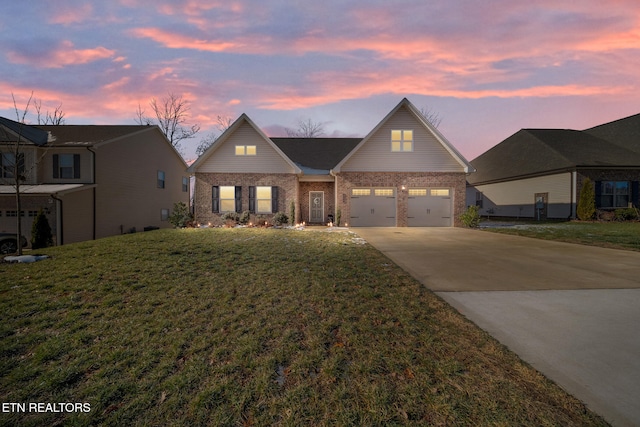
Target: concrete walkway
[(571, 311)]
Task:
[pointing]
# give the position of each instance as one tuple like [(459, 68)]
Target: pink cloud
[(177, 41), (60, 56), (67, 14)]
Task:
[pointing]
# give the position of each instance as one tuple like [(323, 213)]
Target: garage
[(429, 207), (373, 207)]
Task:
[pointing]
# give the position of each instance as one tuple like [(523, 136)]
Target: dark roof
[(316, 155), (65, 135), (624, 132), (531, 152), (26, 132)]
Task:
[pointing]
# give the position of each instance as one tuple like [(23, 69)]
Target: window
[(479, 199), (185, 184), (263, 199), (614, 194), (66, 166), (383, 192), (417, 192), (32, 214), (401, 140), (164, 215), (227, 199), (8, 164), (444, 192), (246, 150), (12, 214), (160, 179), (361, 192)]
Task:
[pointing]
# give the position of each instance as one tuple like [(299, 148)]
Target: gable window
[(401, 141), (164, 214), (66, 166), (614, 194), (246, 150), (226, 198), (263, 199), (160, 179), (8, 164), (185, 184)]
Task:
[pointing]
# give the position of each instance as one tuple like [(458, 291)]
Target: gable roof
[(405, 103), (225, 136), (316, 156), (10, 130), (531, 152), (88, 135), (624, 132)]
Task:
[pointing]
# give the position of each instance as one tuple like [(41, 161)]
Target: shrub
[(587, 203), (292, 213), (338, 217), (41, 236), (245, 218), (626, 214), (180, 216), (471, 217), (280, 218)]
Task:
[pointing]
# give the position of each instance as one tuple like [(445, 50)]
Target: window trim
[(57, 169), (402, 141)]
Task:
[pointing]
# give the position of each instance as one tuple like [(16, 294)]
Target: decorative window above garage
[(401, 140)]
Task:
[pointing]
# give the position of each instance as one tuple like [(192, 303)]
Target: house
[(403, 173), (538, 173), (91, 181)]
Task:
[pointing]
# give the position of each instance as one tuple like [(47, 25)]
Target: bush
[(292, 213), (41, 236), (280, 218), (471, 217), (245, 218), (180, 216), (338, 217), (626, 214), (587, 203)]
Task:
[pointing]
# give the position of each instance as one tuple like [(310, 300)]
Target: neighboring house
[(91, 181), (403, 173), (538, 173)]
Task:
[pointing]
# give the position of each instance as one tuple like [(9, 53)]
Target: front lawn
[(252, 327), (617, 235)]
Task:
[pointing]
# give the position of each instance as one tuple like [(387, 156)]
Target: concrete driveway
[(571, 311)]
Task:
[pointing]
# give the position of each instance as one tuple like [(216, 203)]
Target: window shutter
[(274, 199), (215, 199), (56, 167), (238, 198), (598, 190), (76, 166), (252, 199)]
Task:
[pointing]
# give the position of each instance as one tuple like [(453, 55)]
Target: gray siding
[(428, 153), (224, 159)]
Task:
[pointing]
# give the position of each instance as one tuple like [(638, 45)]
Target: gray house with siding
[(403, 173), (91, 181), (538, 173)]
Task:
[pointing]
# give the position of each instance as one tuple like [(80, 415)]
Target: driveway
[(571, 311)]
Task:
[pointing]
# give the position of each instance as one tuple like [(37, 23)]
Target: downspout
[(93, 181), (59, 221), (574, 196), (335, 198)]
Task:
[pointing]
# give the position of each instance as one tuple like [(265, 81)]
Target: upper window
[(185, 184), (8, 164), (614, 194), (160, 179), (401, 140), (66, 166), (246, 150)]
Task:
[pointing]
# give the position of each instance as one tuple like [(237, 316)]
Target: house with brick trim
[(91, 181), (539, 173), (403, 173)]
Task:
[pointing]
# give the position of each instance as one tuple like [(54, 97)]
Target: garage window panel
[(417, 192), (443, 192), (383, 192), (361, 192)]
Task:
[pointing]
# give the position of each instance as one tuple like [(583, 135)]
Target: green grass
[(252, 327), (617, 235)]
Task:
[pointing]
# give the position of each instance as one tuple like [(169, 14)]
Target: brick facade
[(348, 180), (632, 175), (287, 192)]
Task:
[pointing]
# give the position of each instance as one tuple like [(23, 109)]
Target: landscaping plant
[(41, 236), (587, 203)]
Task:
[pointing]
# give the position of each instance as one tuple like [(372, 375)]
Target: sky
[(487, 68)]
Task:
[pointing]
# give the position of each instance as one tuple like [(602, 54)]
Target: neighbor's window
[(160, 179), (614, 194), (185, 184), (401, 140), (479, 199), (164, 215), (66, 166), (8, 163), (245, 150)]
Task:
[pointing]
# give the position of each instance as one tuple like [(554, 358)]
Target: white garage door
[(429, 207), (373, 207)]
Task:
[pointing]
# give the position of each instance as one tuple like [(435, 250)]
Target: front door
[(540, 206), (316, 207)]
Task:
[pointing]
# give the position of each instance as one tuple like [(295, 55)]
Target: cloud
[(174, 40), (61, 55), (67, 14)]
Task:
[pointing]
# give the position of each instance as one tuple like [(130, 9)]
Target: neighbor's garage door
[(429, 207), (373, 207)]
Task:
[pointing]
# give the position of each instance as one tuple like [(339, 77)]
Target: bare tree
[(57, 118), (431, 116), (306, 129), (171, 115), (223, 123)]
